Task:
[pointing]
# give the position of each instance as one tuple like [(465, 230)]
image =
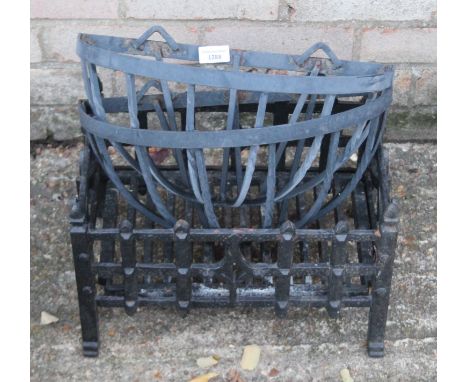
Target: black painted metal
[(295, 211)]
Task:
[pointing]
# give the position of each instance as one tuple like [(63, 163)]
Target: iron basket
[(261, 181)]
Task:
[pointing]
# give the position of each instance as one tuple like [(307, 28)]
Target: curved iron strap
[(198, 168), (173, 125), (297, 112), (372, 145), (317, 206), (311, 154), (236, 138), (93, 92), (165, 126), (190, 126), (319, 178), (154, 170), (252, 153), (142, 154), (351, 146), (325, 186), (315, 145), (336, 85), (189, 52)]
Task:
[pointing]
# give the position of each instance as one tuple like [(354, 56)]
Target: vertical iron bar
[(183, 259), (386, 246), (281, 117), (109, 220), (148, 243), (232, 253), (285, 254), (365, 249), (188, 208), (337, 187), (270, 192), (304, 245), (131, 212), (167, 245), (323, 247), (128, 252), (337, 270), (86, 286)]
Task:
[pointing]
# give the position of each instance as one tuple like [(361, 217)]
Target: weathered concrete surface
[(158, 345)]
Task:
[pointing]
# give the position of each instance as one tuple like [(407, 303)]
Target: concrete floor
[(159, 345)]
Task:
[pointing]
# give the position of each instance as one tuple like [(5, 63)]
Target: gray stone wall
[(401, 32)]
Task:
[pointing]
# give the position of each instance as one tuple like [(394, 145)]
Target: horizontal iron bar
[(210, 270), (258, 301), (189, 52), (235, 138), (216, 100), (190, 74), (227, 234)]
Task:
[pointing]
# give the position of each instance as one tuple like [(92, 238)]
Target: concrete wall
[(401, 32)]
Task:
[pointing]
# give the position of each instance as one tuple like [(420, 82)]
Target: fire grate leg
[(381, 290), (85, 281)]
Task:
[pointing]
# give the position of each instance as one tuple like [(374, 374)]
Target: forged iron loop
[(159, 29), (319, 46)]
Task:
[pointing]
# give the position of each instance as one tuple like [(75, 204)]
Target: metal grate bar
[(148, 243), (127, 250), (282, 283), (183, 259), (271, 184), (109, 220), (362, 221), (337, 263)]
